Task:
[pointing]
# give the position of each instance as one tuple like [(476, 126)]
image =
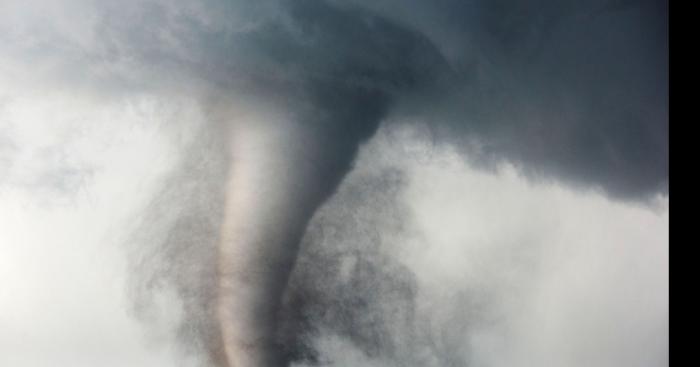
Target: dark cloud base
[(576, 91)]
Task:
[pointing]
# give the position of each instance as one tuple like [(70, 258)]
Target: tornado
[(289, 152), (280, 172)]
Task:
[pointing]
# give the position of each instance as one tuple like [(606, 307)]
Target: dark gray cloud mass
[(572, 90), (566, 90)]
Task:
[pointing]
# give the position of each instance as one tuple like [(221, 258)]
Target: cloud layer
[(569, 90)]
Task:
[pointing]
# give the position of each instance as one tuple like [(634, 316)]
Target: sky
[(307, 182)]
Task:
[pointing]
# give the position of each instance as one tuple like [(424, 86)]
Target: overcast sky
[(466, 183)]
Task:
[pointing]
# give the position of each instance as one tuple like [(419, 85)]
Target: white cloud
[(514, 273), (76, 177)]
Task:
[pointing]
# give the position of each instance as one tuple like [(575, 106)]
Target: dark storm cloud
[(572, 90)]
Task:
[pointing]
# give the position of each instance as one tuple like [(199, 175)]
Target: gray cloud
[(420, 260), (569, 90)]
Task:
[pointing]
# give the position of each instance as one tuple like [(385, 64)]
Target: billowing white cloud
[(76, 176), (507, 272)]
